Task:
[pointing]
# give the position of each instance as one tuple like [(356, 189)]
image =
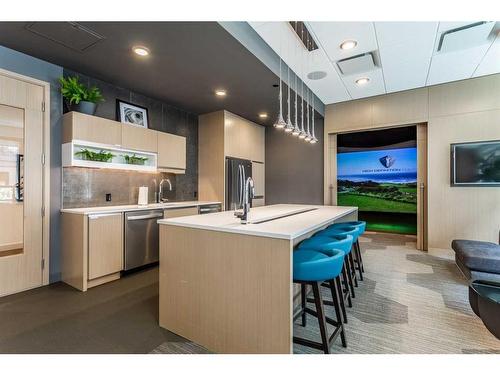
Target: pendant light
[(308, 133), (280, 123), (302, 133), (313, 139), (289, 125), (296, 129)]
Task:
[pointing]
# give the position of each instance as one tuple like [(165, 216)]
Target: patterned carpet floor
[(410, 302)]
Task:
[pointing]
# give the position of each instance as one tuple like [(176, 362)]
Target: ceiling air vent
[(69, 34), (357, 64), (464, 37)]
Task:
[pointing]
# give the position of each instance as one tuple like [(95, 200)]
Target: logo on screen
[(387, 161)]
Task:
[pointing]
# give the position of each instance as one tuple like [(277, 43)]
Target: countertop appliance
[(141, 238), (237, 172)]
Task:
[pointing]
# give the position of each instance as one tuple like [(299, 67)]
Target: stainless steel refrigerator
[(237, 172)]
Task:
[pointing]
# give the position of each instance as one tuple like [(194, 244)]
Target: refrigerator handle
[(240, 186)]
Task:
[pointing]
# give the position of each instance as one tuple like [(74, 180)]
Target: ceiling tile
[(331, 34), (491, 61), (374, 87), (454, 66), (405, 50)]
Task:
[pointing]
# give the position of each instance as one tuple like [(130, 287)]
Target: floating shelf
[(71, 157)]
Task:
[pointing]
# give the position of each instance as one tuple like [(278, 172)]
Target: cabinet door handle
[(97, 216)]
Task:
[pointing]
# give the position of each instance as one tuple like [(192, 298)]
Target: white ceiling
[(406, 54)]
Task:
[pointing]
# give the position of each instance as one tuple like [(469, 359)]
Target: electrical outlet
[(108, 197), (196, 194)]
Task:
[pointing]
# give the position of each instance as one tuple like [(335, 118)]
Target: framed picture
[(132, 114)]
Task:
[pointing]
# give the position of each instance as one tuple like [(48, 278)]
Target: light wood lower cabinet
[(105, 244), (91, 249), (179, 212)]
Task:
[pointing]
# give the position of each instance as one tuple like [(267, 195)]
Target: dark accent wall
[(32, 67), (294, 169), (162, 117)]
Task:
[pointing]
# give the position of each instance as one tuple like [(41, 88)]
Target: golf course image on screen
[(378, 180)]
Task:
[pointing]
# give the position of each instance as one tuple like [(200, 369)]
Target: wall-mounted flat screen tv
[(475, 164)]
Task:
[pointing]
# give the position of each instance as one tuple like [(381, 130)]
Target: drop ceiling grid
[(407, 56), (330, 35)]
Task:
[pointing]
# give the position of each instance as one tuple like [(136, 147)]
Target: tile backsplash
[(87, 187)]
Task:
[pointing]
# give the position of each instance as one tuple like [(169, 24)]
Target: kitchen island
[(228, 286)]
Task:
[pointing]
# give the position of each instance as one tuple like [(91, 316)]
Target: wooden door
[(105, 244), (422, 187), (21, 185)]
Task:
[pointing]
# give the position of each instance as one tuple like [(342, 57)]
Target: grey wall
[(294, 169), (162, 117), (32, 67)]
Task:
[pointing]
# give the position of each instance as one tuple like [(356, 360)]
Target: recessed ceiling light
[(362, 81), (263, 115), (220, 92), (141, 50), (348, 44)]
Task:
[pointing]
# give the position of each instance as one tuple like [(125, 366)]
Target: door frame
[(330, 173), (46, 166)]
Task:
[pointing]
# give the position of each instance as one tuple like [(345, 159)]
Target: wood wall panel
[(460, 212), (211, 157), (472, 95)]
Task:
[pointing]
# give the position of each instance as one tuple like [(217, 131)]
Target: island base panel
[(230, 293)]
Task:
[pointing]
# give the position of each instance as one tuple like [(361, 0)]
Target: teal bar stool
[(361, 225), (330, 246), (312, 268), (351, 267)]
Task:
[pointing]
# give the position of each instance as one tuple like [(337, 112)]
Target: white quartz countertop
[(287, 221), (127, 208)]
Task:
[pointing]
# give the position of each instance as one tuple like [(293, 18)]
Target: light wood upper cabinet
[(91, 128), (258, 176), (171, 151), (243, 139), (138, 138), (105, 243)]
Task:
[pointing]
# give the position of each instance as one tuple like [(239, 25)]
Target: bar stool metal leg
[(303, 303), (352, 270), (337, 301)]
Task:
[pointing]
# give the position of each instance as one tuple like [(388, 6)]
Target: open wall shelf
[(86, 154)]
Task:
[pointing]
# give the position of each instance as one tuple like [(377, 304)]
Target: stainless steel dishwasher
[(141, 238)]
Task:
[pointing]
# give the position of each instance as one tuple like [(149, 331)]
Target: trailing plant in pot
[(79, 97)]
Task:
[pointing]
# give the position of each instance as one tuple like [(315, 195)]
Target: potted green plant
[(102, 156), (79, 97), (134, 159)]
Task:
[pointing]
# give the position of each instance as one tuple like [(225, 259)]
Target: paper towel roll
[(143, 196)]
